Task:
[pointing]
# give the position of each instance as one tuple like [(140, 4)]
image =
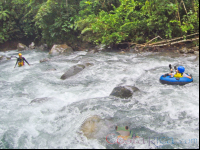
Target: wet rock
[(32, 45), (52, 69), (91, 52), (44, 60), (21, 47), (124, 91), (183, 50), (135, 50), (1, 57), (122, 52), (60, 49), (191, 51), (40, 100), (88, 64), (43, 47), (100, 47), (90, 126), (196, 52), (4, 58), (8, 58), (72, 71), (195, 48)]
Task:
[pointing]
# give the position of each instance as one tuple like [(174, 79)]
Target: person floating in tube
[(179, 72), (21, 60)]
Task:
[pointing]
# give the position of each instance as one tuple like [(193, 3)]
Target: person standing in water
[(21, 60)]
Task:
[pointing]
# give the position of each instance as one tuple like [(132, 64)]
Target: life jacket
[(178, 75), (21, 62)]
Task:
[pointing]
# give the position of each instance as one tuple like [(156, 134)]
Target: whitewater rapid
[(39, 110)]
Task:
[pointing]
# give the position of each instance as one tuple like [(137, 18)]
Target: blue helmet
[(181, 69)]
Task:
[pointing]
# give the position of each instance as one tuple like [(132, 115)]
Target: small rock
[(122, 52), (191, 51), (53, 69), (88, 64), (3, 58), (183, 50), (196, 52), (91, 52), (8, 58), (195, 48), (44, 60), (39, 100)]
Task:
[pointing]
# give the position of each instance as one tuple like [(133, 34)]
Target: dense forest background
[(97, 21)]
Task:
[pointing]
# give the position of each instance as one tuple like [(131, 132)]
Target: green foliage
[(56, 21), (98, 21)]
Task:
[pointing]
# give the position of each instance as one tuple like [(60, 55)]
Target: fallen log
[(165, 44)]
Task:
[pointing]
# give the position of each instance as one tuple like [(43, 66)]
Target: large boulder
[(73, 71), (60, 49), (40, 100), (21, 47), (32, 45), (124, 91)]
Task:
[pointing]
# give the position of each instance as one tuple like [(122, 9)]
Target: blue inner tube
[(175, 81)]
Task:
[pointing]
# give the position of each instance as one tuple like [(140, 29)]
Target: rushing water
[(39, 110)]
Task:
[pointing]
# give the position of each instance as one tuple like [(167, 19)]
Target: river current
[(39, 110)]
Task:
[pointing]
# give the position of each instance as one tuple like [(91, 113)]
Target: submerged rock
[(52, 69), (124, 91), (72, 71), (21, 47), (60, 49), (40, 100), (88, 64), (90, 126), (44, 60)]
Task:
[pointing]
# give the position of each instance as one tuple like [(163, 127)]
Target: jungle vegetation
[(97, 21)]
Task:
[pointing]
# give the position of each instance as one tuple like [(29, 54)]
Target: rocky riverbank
[(182, 48)]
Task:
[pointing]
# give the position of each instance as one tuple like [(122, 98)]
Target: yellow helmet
[(19, 54)]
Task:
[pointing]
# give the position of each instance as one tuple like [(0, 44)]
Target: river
[(39, 110)]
